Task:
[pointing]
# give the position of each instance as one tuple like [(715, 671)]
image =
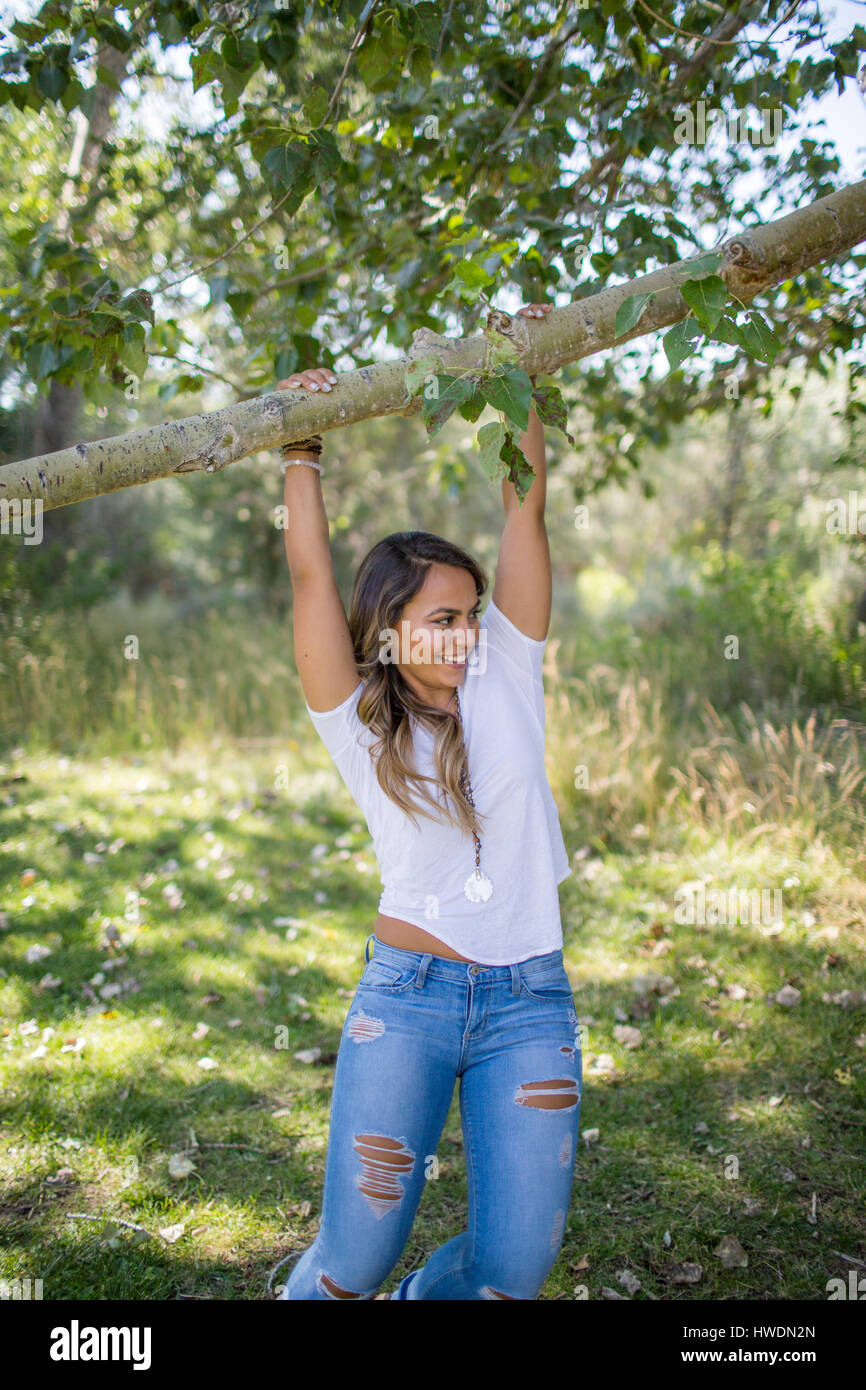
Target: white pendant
[(478, 887)]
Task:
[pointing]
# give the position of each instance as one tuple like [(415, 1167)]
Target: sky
[(845, 115)]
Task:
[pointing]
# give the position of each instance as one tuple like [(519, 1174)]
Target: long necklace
[(478, 886)]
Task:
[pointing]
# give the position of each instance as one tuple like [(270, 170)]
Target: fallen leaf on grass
[(846, 998), (731, 1253), (600, 1065), (179, 1166), (629, 1281), (629, 1037), (172, 1233), (685, 1274), (652, 984)]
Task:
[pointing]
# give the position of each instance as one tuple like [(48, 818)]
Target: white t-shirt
[(423, 870)]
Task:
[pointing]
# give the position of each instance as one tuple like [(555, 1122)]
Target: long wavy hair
[(389, 576)]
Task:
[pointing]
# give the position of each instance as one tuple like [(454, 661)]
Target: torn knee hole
[(384, 1162), (560, 1094), (334, 1289)]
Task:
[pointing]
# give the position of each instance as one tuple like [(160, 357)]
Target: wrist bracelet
[(288, 462)]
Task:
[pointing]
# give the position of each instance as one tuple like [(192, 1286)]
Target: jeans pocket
[(548, 986), (383, 975)]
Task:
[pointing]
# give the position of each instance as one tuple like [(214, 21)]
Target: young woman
[(434, 716)]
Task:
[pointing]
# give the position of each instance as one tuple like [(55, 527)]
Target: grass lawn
[(174, 930)]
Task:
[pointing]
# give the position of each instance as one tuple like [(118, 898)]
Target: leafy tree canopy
[(280, 185)]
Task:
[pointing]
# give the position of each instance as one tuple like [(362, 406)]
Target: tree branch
[(753, 261)]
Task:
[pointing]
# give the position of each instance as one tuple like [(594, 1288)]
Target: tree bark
[(756, 259)]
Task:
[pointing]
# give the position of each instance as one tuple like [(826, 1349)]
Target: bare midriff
[(395, 932)]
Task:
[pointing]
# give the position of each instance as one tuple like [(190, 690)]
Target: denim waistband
[(446, 968)]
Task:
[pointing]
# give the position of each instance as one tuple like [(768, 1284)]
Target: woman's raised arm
[(323, 646), (523, 590)]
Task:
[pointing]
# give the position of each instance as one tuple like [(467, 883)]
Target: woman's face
[(437, 631)]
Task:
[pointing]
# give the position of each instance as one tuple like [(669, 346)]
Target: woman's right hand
[(314, 379)]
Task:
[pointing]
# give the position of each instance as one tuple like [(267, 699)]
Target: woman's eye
[(472, 618)]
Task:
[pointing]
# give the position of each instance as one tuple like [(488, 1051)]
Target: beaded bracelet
[(287, 463)]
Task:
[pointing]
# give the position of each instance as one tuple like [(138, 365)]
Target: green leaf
[(238, 53), (679, 342), (551, 409), (421, 65), (241, 302), (133, 353), (490, 440), (316, 105), (428, 21), (138, 305), (325, 152), (306, 314), (284, 163), (473, 274), (381, 56), (204, 68), (451, 391), (470, 409), (702, 265), (52, 80), (629, 311), (520, 470), (42, 360), (706, 298), (727, 330), (511, 392), (465, 291), (759, 338), (107, 78)]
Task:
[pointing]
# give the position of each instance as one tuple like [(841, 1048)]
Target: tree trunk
[(754, 261)]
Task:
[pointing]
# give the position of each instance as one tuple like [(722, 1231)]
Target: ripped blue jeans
[(418, 1021)]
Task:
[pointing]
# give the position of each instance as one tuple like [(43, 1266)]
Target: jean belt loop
[(422, 970), (515, 978), (367, 947)]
